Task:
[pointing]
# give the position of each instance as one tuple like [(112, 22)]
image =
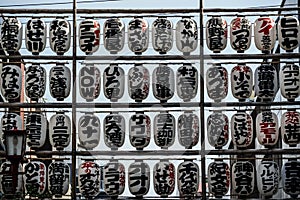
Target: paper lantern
[(216, 34), (187, 82), (267, 178), (264, 34), (164, 178), (11, 82), (35, 35), (188, 178), (164, 130), (290, 178), (35, 82), (35, 178), (267, 128), (10, 121), (163, 82), (240, 34), (290, 128), (218, 175), (289, 77), (89, 82), (162, 35), (113, 82), (36, 130), (139, 178), (60, 130), (217, 129), (114, 130), (242, 178), (114, 178), (11, 35), (114, 35), (6, 178), (288, 33), (138, 82), (60, 36), (58, 178), (186, 35), (89, 179), (60, 82), (188, 130), (217, 82), (139, 130), (138, 35), (89, 131), (266, 83), (241, 129), (89, 36), (241, 82)]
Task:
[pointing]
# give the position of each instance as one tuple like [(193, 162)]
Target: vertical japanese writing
[(60, 82), (10, 121), (266, 84), (89, 36), (241, 82), (267, 178), (290, 81), (139, 130), (35, 178), (114, 35), (89, 82), (36, 127), (290, 178), (240, 34), (267, 128), (188, 130), (218, 178), (11, 82), (58, 178), (241, 129), (60, 131), (217, 129), (11, 34), (114, 81), (186, 35), (60, 36), (6, 179), (265, 33), (288, 33), (35, 82), (290, 127), (138, 35), (216, 34), (164, 178), (188, 178), (114, 130), (35, 35), (114, 178), (217, 82), (164, 130), (187, 82), (162, 35), (89, 131), (242, 178), (139, 178)]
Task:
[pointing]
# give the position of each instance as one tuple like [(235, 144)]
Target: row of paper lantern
[(114, 130), (162, 34), (90, 175)]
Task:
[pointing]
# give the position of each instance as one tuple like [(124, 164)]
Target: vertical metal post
[(202, 121), (74, 103)]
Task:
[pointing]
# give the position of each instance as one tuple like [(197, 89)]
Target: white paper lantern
[(138, 35), (35, 178), (89, 36), (188, 130), (11, 82), (35, 35), (162, 35), (290, 128), (267, 128), (36, 130), (289, 77), (164, 130), (242, 178), (35, 82), (114, 35), (188, 176), (187, 82), (267, 178), (241, 129), (114, 131), (139, 130), (11, 35), (164, 178), (264, 34), (58, 178), (218, 175), (89, 131), (288, 33), (139, 178), (290, 179), (60, 36), (10, 121), (240, 34), (6, 179), (241, 82), (216, 34), (114, 178), (60, 82)]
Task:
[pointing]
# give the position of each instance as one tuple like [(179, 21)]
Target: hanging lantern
[(60, 82), (10, 121), (267, 128), (113, 82), (89, 131), (288, 33), (35, 82), (60, 36), (114, 131), (163, 82), (36, 130), (217, 82), (266, 83), (139, 130), (216, 34), (60, 130), (267, 178), (264, 34), (6, 179), (162, 35), (241, 82), (114, 35), (35, 178), (240, 34), (241, 129), (188, 178), (58, 178), (164, 130), (89, 82), (11, 35), (139, 178), (217, 129), (164, 178), (138, 82), (289, 77), (218, 175), (186, 35), (290, 178), (290, 128), (114, 179), (89, 179), (187, 82), (138, 35), (89, 36), (242, 177), (188, 130), (11, 82), (36, 34)]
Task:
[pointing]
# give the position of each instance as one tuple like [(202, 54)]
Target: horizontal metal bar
[(253, 151), (251, 56), (235, 104), (241, 10)]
